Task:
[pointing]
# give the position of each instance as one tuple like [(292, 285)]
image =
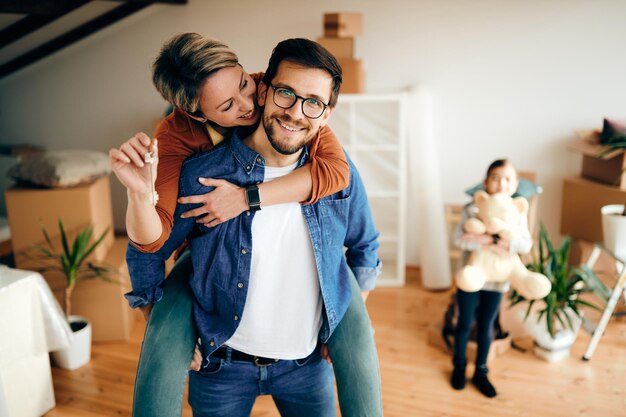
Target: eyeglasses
[(284, 98)]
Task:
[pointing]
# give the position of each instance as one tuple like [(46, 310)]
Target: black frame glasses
[(290, 93)]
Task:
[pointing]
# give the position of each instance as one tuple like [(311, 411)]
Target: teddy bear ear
[(480, 196), (522, 204)]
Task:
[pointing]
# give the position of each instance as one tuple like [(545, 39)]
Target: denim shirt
[(221, 256)]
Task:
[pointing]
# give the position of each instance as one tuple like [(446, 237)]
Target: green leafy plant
[(71, 259), (616, 142), (568, 284)]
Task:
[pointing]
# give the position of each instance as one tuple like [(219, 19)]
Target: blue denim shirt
[(221, 256)]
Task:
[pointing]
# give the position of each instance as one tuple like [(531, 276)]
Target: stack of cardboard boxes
[(340, 29), (99, 301), (602, 182)]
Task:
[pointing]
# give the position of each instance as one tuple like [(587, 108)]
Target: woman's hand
[(325, 354), (226, 201), (128, 164), (196, 362)]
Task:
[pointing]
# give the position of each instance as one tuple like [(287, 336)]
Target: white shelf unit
[(373, 130)]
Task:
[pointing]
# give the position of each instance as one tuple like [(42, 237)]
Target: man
[(271, 285)]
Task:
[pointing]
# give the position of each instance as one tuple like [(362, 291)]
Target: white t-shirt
[(283, 311)]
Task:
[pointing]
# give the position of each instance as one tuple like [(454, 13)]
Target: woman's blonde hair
[(184, 63)]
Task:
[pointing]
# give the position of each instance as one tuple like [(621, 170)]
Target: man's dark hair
[(306, 53)]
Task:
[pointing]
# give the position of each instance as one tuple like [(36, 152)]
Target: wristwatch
[(253, 197)]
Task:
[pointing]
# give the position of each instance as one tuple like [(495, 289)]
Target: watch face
[(253, 196)]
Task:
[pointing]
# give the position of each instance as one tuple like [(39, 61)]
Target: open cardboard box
[(609, 168)]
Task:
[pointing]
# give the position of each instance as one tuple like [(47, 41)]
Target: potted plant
[(614, 215), (72, 262), (559, 314), (614, 229)]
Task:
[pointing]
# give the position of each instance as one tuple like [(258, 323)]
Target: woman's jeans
[(171, 336)]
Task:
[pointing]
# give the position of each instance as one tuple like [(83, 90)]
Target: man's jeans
[(170, 338), (301, 388)]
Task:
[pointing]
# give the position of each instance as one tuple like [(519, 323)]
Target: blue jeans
[(228, 388), (170, 338)]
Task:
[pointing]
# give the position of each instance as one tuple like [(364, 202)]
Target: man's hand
[(128, 164), (196, 362), (146, 310), (226, 201)]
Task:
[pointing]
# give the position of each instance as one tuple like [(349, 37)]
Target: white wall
[(509, 78)]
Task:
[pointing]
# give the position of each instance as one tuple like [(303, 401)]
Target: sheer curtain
[(426, 207)]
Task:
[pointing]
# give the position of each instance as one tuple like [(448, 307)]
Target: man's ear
[(326, 115), (261, 93)]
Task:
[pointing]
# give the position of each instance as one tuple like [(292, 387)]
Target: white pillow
[(62, 168)]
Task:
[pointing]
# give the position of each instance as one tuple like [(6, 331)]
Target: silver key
[(149, 158)]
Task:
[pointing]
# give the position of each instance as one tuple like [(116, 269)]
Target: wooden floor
[(414, 374)]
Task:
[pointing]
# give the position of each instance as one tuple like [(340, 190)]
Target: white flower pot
[(79, 351), (614, 229), (555, 348)]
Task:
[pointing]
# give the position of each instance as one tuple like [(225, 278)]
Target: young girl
[(483, 305), (211, 92)]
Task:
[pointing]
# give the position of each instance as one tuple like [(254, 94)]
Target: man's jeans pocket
[(309, 359), (212, 368)]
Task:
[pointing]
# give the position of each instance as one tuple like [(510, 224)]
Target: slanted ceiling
[(31, 30)]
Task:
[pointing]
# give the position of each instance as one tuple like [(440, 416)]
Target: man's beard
[(284, 148)]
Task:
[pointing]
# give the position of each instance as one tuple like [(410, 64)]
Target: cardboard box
[(580, 207), (30, 208), (342, 25), (353, 76), (339, 47), (100, 301), (609, 168)]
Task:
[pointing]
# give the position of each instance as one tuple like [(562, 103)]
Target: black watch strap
[(253, 197)]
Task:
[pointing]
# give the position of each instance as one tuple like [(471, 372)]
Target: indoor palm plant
[(559, 314), (71, 261)]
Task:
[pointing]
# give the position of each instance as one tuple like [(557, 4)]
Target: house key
[(150, 158)]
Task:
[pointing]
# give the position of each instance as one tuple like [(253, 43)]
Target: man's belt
[(235, 355)]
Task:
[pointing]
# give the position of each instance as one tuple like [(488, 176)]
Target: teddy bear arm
[(474, 226)]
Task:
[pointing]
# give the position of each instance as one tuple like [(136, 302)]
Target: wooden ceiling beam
[(70, 37), (33, 22), (42, 12), (57, 6), (38, 7)]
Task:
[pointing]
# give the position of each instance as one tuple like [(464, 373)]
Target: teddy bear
[(498, 215)]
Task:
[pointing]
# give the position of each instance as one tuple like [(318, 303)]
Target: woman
[(211, 93)]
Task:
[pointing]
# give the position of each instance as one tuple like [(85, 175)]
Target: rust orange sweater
[(180, 136)]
